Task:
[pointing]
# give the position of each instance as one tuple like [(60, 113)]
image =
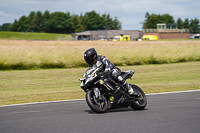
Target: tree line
[(60, 22), (152, 19)]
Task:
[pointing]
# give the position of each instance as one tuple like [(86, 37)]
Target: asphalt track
[(165, 113)]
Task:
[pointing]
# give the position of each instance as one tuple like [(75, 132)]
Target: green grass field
[(25, 86), (33, 36)]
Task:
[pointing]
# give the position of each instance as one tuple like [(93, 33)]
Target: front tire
[(139, 102), (97, 105)]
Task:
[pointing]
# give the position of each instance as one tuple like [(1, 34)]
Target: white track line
[(172, 92), (42, 102), (84, 99)]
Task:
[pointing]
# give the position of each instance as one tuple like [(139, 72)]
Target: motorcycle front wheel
[(98, 105)]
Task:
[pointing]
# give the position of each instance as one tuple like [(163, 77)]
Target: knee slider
[(120, 78)]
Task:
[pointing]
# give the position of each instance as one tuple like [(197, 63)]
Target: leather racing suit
[(104, 65)]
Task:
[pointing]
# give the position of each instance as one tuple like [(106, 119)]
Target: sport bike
[(103, 93)]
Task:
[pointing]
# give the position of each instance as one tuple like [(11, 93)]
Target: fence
[(166, 30)]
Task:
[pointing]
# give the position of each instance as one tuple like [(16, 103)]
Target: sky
[(131, 13)]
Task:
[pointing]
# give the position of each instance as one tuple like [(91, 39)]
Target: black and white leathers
[(104, 65)]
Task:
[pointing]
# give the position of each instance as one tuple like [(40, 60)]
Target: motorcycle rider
[(103, 65)]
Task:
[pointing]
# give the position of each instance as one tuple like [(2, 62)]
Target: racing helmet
[(90, 55)]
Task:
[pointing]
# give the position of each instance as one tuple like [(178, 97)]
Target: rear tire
[(98, 106), (140, 102)]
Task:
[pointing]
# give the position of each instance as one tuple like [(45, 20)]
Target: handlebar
[(101, 74)]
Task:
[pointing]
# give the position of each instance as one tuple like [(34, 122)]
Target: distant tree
[(5, 26), (46, 17), (22, 24), (147, 15), (166, 18), (186, 24), (0, 28), (179, 23), (94, 21), (116, 24), (30, 21), (82, 25), (14, 26), (194, 26), (109, 23), (152, 19), (60, 22), (37, 22), (78, 27)]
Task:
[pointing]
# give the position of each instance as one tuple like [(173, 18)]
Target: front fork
[(97, 93)]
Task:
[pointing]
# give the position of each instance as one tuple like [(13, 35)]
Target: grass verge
[(29, 54), (33, 36), (27, 86)]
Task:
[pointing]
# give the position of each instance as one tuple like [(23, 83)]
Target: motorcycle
[(103, 93)]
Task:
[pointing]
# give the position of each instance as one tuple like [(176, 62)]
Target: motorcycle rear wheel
[(96, 105), (140, 102)]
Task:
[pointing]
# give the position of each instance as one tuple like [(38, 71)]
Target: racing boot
[(126, 85), (130, 90)]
